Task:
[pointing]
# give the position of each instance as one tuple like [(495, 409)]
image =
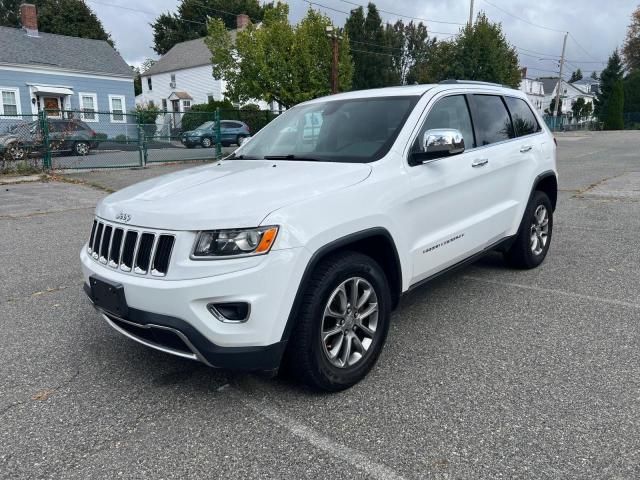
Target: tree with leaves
[(190, 21), (278, 62), (552, 108), (575, 76), (609, 77), (594, 75), (631, 49), (73, 18), (480, 52), (614, 117)]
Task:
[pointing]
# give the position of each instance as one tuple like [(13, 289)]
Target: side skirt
[(500, 245)]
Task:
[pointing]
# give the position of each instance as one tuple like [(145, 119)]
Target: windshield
[(205, 126), (356, 130)]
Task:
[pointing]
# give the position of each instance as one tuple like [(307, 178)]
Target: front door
[(52, 106), (449, 208), (175, 106)]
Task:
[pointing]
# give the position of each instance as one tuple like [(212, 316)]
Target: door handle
[(480, 162), (525, 148)]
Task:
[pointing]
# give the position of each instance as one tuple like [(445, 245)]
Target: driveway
[(487, 372)]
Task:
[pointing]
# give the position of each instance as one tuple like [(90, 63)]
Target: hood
[(228, 194)]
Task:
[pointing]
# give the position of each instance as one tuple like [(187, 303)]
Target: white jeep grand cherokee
[(297, 247)]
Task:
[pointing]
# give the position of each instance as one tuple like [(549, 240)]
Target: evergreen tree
[(575, 76), (614, 118), (371, 57), (594, 75), (73, 18), (608, 79), (632, 92)]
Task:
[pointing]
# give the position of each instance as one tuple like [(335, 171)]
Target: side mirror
[(436, 144)]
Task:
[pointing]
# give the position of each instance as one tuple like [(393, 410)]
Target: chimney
[(29, 19), (242, 21)]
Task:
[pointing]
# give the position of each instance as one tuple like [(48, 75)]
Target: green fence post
[(46, 147), (218, 135), (142, 142)]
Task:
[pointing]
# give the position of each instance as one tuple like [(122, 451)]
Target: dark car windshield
[(356, 130)]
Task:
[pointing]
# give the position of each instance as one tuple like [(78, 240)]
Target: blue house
[(66, 76)]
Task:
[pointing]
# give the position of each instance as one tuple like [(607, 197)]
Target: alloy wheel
[(16, 152), (349, 323), (82, 148), (539, 230)]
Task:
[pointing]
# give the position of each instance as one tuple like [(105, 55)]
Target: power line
[(523, 19), (402, 15), (581, 47)]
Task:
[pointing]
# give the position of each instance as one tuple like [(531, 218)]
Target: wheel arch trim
[(331, 247)]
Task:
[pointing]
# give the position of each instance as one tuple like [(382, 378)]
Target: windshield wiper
[(291, 157), (243, 157)]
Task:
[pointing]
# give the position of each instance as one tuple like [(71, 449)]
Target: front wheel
[(531, 245), (206, 142), (15, 151), (342, 323)]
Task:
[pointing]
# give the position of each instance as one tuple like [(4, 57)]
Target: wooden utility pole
[(332, 33), (334, 65), (557, 109)]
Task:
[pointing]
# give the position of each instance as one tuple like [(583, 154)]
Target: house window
[(116, 106), (186, 105), (164, 104), (209, 97), (173, 80), (9, 102), (149, 86), (89, 107)]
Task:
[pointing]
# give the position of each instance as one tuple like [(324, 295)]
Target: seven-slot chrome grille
[(130, 250)]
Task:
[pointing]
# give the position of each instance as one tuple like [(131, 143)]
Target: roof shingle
[(61, 51)]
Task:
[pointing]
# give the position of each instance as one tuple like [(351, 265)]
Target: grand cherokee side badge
[(123, 217)]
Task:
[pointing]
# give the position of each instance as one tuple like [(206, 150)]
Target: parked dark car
[(231, 131), (65, 135)]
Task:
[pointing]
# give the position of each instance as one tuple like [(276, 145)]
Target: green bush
[(202, 112), (101, 136), (121, 138), (147, 114)]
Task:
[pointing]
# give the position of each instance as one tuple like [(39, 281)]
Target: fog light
[(230, 312)]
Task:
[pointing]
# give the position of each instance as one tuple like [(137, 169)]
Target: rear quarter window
[(524, 121)]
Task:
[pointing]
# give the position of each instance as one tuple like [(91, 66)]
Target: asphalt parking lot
[(487, 373)]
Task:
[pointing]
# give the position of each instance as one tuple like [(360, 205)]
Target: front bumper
[(162, 308), (191, 141)]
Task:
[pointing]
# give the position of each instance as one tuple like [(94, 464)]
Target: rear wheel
[(81, 148), (531, 245), (342, 323), (206, 142)]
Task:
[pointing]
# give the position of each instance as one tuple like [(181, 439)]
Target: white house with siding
[(183, 77), (568, 94)]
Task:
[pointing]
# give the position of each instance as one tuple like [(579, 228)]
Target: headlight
[(230, 243)]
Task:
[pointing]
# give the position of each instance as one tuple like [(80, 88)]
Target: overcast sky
[(596, 26)]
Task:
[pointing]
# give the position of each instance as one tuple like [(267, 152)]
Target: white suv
[(298, 246)]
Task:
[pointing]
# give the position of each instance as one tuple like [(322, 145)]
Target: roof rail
[(472, 82)]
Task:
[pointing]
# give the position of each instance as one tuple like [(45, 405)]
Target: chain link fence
[(69, 139), (568, 123)]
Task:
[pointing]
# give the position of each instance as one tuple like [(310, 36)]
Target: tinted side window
[(451, 112), (493, 119), (524, 121)]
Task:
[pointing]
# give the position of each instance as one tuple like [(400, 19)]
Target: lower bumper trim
[(253, 358)]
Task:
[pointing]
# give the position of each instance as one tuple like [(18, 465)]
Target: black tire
[(521, 254), (226, 144), (206, 142), (306, 358)]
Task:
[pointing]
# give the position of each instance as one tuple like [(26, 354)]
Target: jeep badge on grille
[(123, 217)]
